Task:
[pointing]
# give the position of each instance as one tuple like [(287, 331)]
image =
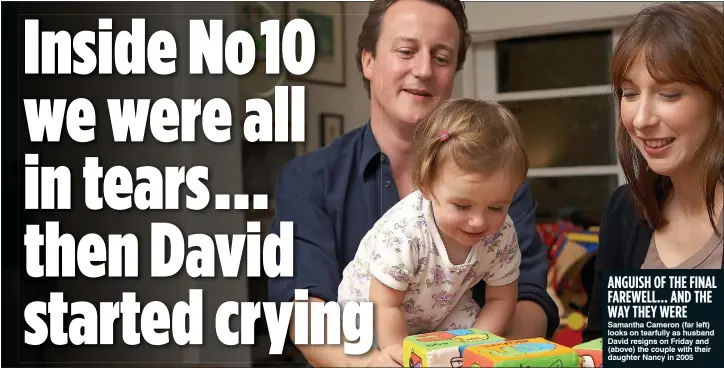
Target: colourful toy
[(591, 353), (537, 352), (442, 348), (570, 331)]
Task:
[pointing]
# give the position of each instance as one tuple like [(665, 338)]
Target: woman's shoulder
[(619, 216), (620, 203)]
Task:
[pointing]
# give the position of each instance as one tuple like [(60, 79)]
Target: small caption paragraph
[(656, 317), (53, 252)]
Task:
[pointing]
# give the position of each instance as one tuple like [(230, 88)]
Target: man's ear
[(368, 61)]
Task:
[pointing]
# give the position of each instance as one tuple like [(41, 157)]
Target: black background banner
[(663, 318), (223, 161)]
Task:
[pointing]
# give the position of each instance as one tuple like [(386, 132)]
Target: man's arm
[(299, 199), (536, 314)]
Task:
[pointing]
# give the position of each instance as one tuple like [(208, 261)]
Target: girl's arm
[(498, 309), (390, 328)]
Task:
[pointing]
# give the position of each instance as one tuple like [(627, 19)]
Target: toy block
[(570, 331), (591, 353), (536, 352), (443, 348)]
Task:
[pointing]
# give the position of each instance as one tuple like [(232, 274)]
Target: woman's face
[(666, 122)]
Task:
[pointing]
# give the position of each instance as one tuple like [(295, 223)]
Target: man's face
[(416, 57)]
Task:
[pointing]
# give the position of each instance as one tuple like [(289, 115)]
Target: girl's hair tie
[(444, 135)]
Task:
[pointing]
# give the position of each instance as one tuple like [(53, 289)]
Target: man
[(409, 53)]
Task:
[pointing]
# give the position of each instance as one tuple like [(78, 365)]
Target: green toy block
[(443, 348), (591, 353), (536, 352)]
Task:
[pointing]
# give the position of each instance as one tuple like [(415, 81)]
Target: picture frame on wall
[(331, 126), (249, 17), (326, 18)]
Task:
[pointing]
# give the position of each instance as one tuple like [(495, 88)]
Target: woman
[(669, 84)]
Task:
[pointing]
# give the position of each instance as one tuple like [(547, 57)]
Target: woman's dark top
[(624, 242)]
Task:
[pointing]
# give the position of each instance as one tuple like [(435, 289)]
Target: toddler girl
[(420, 260)]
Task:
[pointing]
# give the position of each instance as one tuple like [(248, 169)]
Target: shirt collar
[(370, 150)]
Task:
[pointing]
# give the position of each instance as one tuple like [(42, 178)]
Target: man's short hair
[(370, 33)]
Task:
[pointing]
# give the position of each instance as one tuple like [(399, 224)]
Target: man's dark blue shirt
[(335, 195)]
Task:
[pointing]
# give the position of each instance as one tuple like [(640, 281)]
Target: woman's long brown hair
[(679, 42)]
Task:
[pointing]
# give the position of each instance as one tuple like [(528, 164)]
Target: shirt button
[(388, 184), (383, 158)]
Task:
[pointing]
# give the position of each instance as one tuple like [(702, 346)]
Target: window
[(551, 62), (558, 88)]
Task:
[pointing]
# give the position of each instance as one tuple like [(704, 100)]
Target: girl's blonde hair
[(478, 136)]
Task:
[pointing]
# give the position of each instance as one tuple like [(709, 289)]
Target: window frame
[(480, 73)]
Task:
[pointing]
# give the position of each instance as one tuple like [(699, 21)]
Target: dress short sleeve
[(503, 256), (394, 246)]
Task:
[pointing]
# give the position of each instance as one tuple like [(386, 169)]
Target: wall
[(350, 100), (498, 16), (495, 16), (223, 161), (483, 17)]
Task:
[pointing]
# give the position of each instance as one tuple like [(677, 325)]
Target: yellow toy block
[(591, 353), (582, 237), (537, 352), (443, 348)]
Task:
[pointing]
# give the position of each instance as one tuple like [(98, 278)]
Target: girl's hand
[(390, 356)]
